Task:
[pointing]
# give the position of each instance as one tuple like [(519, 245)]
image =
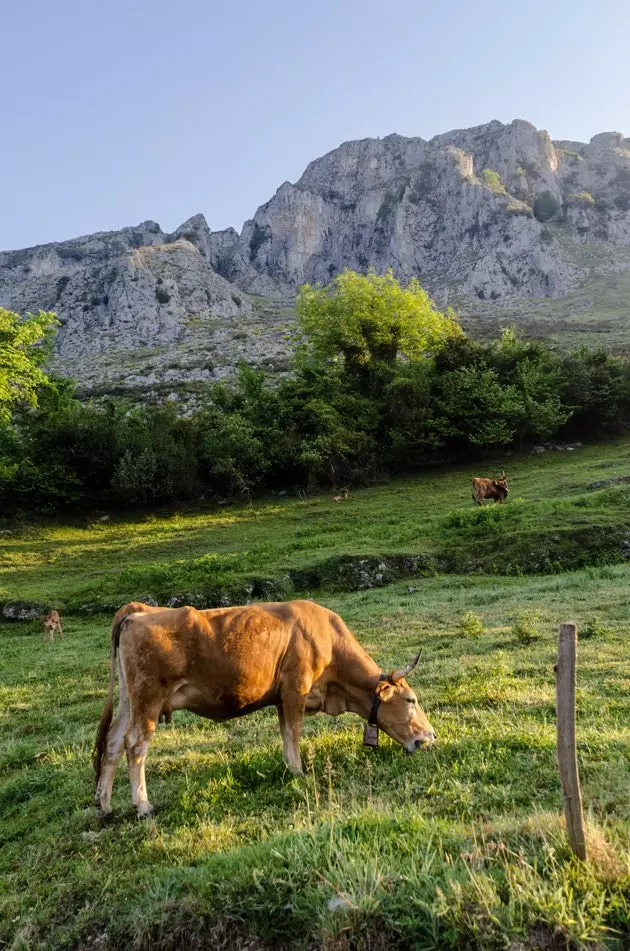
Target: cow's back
[(240, 654)]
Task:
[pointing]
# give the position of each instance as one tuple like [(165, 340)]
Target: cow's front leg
[(291, 716)]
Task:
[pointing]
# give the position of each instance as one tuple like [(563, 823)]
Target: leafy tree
[(23, 349), (476, 408), (597, 387), (536, 376), (363, 320)]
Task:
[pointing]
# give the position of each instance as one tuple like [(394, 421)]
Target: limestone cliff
[(139, 309), (498, 219), (463, 211)]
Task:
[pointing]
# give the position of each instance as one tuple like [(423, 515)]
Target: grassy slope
[(431, 513), (461, 846)]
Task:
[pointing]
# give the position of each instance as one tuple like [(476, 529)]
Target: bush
[(471, 625), (493, 181), (594, 628), (580, 198), (524, 628)]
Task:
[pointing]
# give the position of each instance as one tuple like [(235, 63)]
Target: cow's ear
[(495, 483), (384, 690)]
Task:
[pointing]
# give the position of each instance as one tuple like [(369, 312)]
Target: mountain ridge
[(498, 216)]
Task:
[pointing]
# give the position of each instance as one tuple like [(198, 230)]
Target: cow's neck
[(355, 676)]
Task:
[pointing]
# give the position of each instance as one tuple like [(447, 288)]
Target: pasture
[(458, 847)]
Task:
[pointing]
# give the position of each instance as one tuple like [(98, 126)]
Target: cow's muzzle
[(424, 741)]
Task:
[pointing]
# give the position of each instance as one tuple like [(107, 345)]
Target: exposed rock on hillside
[(460, 210), (129, 288), (488, 218), (138, 308)]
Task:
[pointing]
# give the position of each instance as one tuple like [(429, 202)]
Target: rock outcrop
[(497, 213), (139, 309), (130, 288), (466, 211)]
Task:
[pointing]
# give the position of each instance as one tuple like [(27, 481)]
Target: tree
[(370, 319), (476, 408), (24, 345)]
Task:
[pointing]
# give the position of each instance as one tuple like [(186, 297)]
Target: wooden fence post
[(566, 746)]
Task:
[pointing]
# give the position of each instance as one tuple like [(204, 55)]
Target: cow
[(52, 623), (227, 662), (496, 489)]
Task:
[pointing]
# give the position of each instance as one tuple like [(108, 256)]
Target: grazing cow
[(52, 623), (227, 662), (496, 489), (343, 495)]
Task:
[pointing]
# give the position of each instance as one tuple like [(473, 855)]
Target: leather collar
[(376, 702)]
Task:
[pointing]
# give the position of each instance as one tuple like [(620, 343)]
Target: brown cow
[(496, 489), (227, 662), (52, 623)]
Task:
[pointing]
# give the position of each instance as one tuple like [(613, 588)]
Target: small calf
[(52, 623), (343, 495)]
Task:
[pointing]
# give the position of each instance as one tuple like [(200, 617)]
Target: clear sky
[(118, 111)]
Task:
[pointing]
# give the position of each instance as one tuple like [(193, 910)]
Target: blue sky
[(116, 112)]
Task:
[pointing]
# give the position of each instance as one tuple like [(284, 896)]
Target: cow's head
[(399, 713), (500, 485)]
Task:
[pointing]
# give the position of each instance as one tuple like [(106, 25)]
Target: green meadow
[(459, 847)]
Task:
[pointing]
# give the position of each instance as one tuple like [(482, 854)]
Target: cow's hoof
[(103, 814), (145, 810)]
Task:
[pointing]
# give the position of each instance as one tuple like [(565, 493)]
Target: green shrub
[(594, 628), (525, 629), (493, 181), (517, 208), (580, 198), (471, 625)]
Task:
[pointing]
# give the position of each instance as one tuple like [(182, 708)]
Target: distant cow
[(342, 497), (496, 489), (52, 623), (227, 662)]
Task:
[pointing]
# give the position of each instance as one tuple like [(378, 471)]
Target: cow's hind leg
[(291, 715), (137, 739), (113, 752)]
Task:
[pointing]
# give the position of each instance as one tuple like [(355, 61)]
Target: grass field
[(461, 847)]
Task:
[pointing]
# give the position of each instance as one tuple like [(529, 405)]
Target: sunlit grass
[(431, 514), (459, 847)]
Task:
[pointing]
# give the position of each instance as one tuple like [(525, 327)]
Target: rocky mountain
[(498, 220), (139, 309), (468, 210)]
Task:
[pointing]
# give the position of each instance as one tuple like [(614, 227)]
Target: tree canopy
[(23, 349), (366, 319)]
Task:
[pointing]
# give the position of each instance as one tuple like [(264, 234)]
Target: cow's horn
[(399, 674)]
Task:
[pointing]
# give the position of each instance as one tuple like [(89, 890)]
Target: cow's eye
[(411, 700)]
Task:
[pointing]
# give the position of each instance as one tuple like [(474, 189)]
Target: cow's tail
[(108, 710)]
